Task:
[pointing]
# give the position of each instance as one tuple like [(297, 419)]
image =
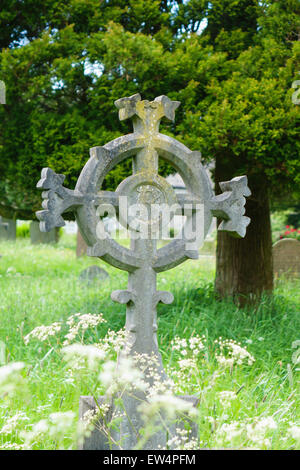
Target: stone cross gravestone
[(286, 258), (146, 190)]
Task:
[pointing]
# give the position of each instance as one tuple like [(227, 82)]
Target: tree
[(59, 98), (250, 125)]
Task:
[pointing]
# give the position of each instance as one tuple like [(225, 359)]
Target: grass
[(39, 285)]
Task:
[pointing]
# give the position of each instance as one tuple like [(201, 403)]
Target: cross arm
[(56, 200), (230, 206)]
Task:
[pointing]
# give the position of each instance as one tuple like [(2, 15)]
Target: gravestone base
[(7, 229), (36, 236), (98, 439)]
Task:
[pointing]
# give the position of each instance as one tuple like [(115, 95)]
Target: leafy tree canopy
[(230, 63)]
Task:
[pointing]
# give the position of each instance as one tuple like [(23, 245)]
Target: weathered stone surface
[(286, 258), (230, 206), (92, 274), (7, 229), (144, 187), (81, 246), (37, 236)]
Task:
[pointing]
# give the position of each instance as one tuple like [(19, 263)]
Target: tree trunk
[(244, 267)]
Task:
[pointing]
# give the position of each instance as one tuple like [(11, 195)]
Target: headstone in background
[(92, 274), (2, 92), (81, 246), (143, 261), (36, 236), (7, 229), (286, 258)]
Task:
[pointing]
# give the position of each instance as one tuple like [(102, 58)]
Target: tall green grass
[(39, 285)]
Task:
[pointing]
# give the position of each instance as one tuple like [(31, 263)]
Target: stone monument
[(7, 229), (147, 190), (286, 258), (37, 236)]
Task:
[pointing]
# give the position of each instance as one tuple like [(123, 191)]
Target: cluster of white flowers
[(81, 356), (226, 397), (43, 332), (80, 323), (57, 426), (11, 377), (90, 416), (294, 432), (182, 441), (254, 431), (232, 353), (228, 432), (159, 387), (167, 403), (93, 416), (12, 422), (257, 430), (11, 446), (194, 344), (114, 341), (188, 363), (149, 365), (122, 376)]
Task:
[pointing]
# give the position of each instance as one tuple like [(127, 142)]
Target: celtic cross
[(143, 260)]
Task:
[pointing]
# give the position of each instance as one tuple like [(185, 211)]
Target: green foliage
[(23, 230), (65, 63)]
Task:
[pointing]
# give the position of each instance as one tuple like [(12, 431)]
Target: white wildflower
[(257, 430), (167, 403), (79, 354), (294, 432), (226, 397), (41, 427), (114, 341), (228, 432), (43, 332), (11, 377), (124, 375), (12, 422), (11, 446), (232, 353), (80, 323), (61, 421), (57, 426)]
